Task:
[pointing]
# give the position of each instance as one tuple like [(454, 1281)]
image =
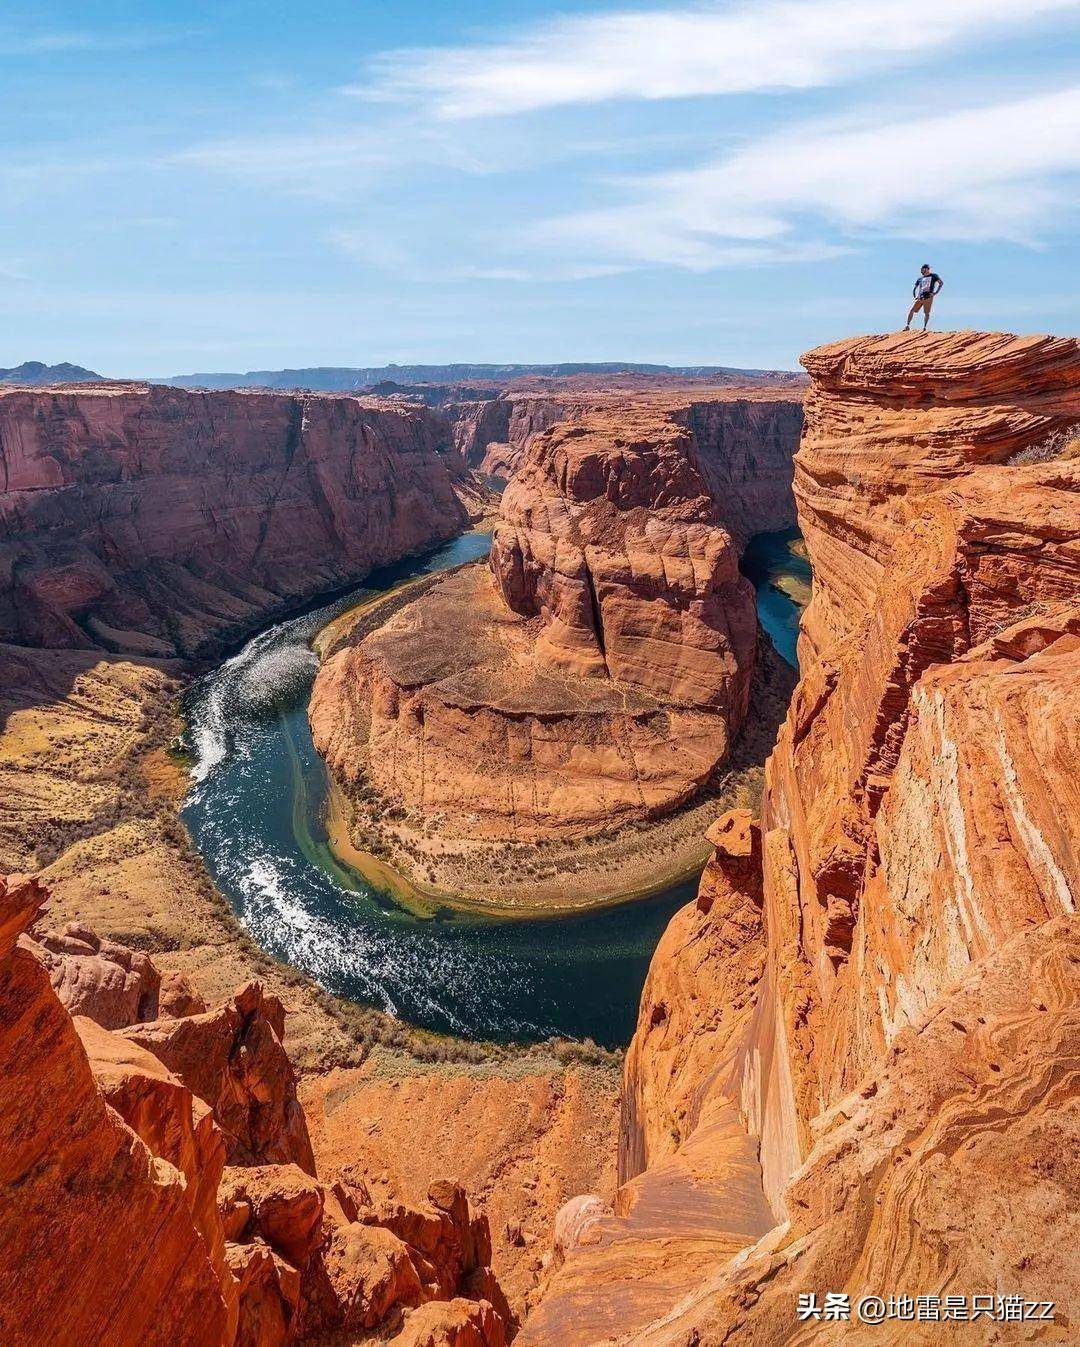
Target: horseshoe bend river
[(256, 812)]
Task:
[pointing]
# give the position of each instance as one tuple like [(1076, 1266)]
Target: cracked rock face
[(156, 521), (596, 672)]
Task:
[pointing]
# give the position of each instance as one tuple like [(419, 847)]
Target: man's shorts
[(924, 303)]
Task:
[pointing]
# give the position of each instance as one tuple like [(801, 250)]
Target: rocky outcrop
[(453, 1323), (157, 521), (878, 981), (176, 1126), (492, 433), (598, 673), (105, 981), (122, 1223), (232, 1057), (98, 1241)]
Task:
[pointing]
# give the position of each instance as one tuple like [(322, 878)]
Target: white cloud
[(976, 173), (709, 49), (331, 161), (76, 39)]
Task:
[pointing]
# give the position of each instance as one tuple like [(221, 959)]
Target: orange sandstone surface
[(159, 1187), (597, 671), (855, 1067)]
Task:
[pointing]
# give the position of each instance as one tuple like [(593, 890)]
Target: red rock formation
[(279, 1204), (176, 1126), (97, 1240), (122, 1224), (602, 676), (269, 1291), (177, 997), (492, 434), (884, 985), (107, 982), (453, 1323), (743, 428), (232, 1057), (194, 514)]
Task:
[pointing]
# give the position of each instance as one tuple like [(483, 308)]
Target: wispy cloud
[(58, 41), (709, 49), (331, 161), (985, 173), (392, 252)]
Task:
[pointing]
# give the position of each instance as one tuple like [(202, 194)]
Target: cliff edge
[(878, 979), (146, 520)]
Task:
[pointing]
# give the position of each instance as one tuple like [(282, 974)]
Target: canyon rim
[(533, 814), (855, 1060)]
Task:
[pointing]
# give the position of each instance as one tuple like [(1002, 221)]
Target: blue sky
[(238, 185)]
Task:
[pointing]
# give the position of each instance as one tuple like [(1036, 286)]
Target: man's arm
[(939, 286)]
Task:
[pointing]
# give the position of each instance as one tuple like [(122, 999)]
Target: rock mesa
[(597, 670)]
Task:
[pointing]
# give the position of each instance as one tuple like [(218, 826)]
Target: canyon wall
[(491, 434), (597, 672), (157, 521), (745, 441), (879, 977)]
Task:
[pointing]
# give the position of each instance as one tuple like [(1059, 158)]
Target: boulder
[(111, 984), (279, 1204), (269, 1291), (178, 997), (453, 1323)]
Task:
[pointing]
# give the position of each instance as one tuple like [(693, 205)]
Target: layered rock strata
[(98, 1241), (88, 798), (157, 521), (492, 433), (747, 434), (597, 671), (878, 981)]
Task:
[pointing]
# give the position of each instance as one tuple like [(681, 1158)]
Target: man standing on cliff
[(926, 287)]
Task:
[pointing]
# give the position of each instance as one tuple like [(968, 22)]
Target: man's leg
[(927, 305), (910, 316)]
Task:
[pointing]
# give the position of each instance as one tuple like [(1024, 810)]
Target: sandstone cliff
[(746, 434), (879, 980), (89, 797), (158, 521), (598, 672), (492, 433)]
